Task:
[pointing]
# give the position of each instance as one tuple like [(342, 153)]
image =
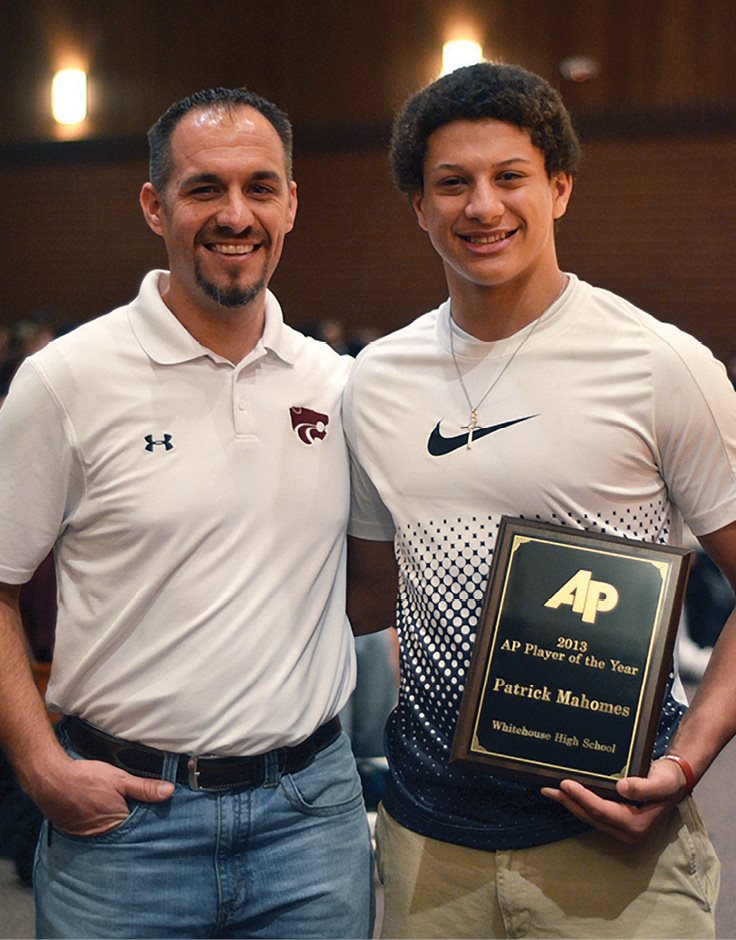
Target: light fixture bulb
[(459, 52), (69, 96)]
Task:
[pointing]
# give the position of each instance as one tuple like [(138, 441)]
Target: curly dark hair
[(505, 92), (159, 135)]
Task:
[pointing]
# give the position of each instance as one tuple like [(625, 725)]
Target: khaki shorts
[(587, 886)]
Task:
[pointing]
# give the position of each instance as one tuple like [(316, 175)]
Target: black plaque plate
[(571, 656)]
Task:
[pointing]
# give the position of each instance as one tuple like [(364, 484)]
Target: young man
[(185, 457), (527, 393)]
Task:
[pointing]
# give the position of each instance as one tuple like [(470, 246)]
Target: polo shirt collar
[(277, 337), (166, 341)]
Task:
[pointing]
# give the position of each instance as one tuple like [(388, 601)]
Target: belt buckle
[(193, 772)]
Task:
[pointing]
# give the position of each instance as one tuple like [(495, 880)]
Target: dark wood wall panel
[(653, 219), (337, 61), (79, 242)]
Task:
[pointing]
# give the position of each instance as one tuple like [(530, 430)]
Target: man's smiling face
[(226, 207)]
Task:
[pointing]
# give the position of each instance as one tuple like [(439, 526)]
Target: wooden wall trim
[(357, 137)]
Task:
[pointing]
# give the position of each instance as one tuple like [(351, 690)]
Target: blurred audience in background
[(22, 339), (730, 364), (708, 601), (364, 716), (332, 331)]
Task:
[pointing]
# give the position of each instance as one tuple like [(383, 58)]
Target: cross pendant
[(470, 427)]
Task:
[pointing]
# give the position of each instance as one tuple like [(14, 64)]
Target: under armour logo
[(164, 442), (309, 425)]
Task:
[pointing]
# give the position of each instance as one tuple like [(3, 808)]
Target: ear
[(561, 184), (293, 206), (417, 199), (152, 206)]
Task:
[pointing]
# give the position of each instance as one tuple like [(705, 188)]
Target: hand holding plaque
[(571, 656)]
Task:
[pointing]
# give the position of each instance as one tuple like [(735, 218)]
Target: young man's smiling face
[(489, 206), (225, 210)]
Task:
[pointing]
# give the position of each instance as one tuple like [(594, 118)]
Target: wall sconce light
[(459, 52), (69, 96), (580, 68)]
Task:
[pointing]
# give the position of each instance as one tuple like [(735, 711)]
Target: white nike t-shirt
[(605, 420)]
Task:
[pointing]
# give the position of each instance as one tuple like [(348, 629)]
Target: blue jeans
[(289, 859)]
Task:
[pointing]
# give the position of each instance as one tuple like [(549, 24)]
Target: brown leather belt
[(200, 773)]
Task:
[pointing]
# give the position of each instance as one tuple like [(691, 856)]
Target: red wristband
[(685, 768)]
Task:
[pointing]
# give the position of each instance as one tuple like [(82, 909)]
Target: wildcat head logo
[(309, 425)]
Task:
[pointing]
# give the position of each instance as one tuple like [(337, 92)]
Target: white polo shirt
[(198, 511)]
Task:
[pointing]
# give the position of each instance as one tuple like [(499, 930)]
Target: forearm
[(372, 585), (710, 722), (367, 616), (26, 734), (82, 797)]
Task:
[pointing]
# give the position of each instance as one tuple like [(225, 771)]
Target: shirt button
[(241, 405)]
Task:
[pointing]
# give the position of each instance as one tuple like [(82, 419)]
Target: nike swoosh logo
[(438, 446)]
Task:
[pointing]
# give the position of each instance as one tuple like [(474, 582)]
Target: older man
[(184, 455)]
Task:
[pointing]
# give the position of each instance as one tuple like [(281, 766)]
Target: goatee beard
[(229, 297)]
